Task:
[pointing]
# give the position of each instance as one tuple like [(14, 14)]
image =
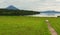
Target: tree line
[(17, 12)]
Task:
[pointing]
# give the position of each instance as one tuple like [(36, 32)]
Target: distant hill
[(50, 11), (11, 7)]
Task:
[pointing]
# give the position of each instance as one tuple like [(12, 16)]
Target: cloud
[(58, 0), (36, 5)]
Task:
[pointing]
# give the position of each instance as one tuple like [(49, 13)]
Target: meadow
[(55, 23), (24, 25)]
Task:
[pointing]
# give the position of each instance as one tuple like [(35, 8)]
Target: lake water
[(47, 15)]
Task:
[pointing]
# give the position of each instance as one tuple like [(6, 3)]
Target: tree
[(17, 12)]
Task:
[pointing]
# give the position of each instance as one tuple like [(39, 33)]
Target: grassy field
[(21, 25), (55, 23)]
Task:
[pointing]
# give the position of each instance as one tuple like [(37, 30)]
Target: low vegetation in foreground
[(23, 25), (55, 23)]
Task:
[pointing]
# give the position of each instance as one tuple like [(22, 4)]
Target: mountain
[(11, 7), (51, 11)]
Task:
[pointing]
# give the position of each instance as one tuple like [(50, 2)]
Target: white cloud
[(32, 4), (58, 0)]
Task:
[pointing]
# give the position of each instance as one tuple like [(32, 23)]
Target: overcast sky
[(37, 5)]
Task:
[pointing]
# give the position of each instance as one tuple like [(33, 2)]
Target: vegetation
[(23, 25), (55, 23), (8, 12)]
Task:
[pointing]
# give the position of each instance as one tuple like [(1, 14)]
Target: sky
[(36, 5)]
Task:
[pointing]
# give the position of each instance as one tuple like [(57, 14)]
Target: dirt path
[(53, 32)]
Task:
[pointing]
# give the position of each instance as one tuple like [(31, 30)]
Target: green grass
[(55, 23), (21, 25)]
